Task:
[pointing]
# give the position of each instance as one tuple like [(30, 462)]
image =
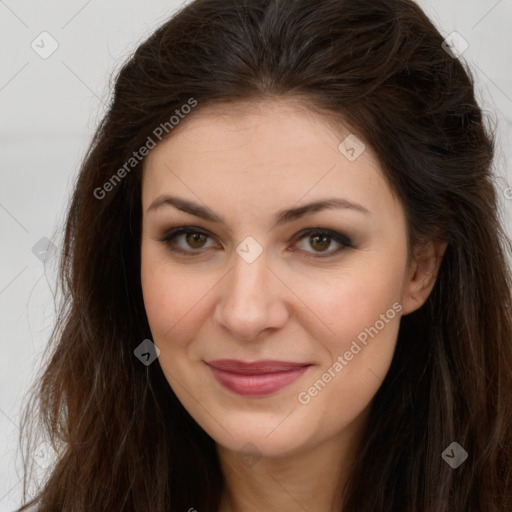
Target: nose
[(252, 300)]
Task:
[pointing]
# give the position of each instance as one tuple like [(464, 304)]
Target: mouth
[(259, 378)]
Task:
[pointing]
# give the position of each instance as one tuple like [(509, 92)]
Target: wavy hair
[(124, 442)]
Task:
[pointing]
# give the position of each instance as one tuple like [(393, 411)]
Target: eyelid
[(342, 240)]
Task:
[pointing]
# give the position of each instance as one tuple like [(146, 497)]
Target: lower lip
[(257, 385)]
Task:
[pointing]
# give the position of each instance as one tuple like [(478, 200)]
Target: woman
[(285, 278)]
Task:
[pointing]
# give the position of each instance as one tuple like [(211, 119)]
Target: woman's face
[(248, 283)]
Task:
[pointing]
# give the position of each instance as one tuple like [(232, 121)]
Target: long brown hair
[(125, 443)]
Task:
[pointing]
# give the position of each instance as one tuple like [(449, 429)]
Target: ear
[(421, 275)]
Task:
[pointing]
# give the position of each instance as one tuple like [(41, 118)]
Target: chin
[(271, 436)]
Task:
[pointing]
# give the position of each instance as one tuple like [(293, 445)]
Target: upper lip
[(256, 367)]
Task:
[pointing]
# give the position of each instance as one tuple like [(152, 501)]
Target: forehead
[(273, 151), (273, 123)]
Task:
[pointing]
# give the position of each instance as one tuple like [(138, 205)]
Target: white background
[(49, 109)]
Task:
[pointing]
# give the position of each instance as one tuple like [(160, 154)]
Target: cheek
[(345, 306), (160, 299), (364, 316), (362, 310), (165, 299), (173, 301)]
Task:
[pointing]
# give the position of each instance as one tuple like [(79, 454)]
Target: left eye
[(319, 238), (322, 238)]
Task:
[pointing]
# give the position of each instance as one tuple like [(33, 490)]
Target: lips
[(255, 368), (257, 378)]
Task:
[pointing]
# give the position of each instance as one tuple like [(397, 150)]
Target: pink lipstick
[(258, 378)]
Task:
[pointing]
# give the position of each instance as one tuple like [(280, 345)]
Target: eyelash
[(344, 242)]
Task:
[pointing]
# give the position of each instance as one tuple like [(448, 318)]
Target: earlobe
[(422, 276)]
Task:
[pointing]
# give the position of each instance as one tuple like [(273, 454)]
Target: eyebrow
[(282, 217)]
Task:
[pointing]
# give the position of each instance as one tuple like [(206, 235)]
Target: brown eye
[(321, 242), (195, 239), (321, 239)]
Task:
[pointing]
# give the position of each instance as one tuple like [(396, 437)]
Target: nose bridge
[(249, 275), (248, 285), (248, 303)]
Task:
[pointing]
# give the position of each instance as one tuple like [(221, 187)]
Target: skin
[(246, 162)]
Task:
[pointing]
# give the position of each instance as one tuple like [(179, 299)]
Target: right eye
[(193, 237)]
